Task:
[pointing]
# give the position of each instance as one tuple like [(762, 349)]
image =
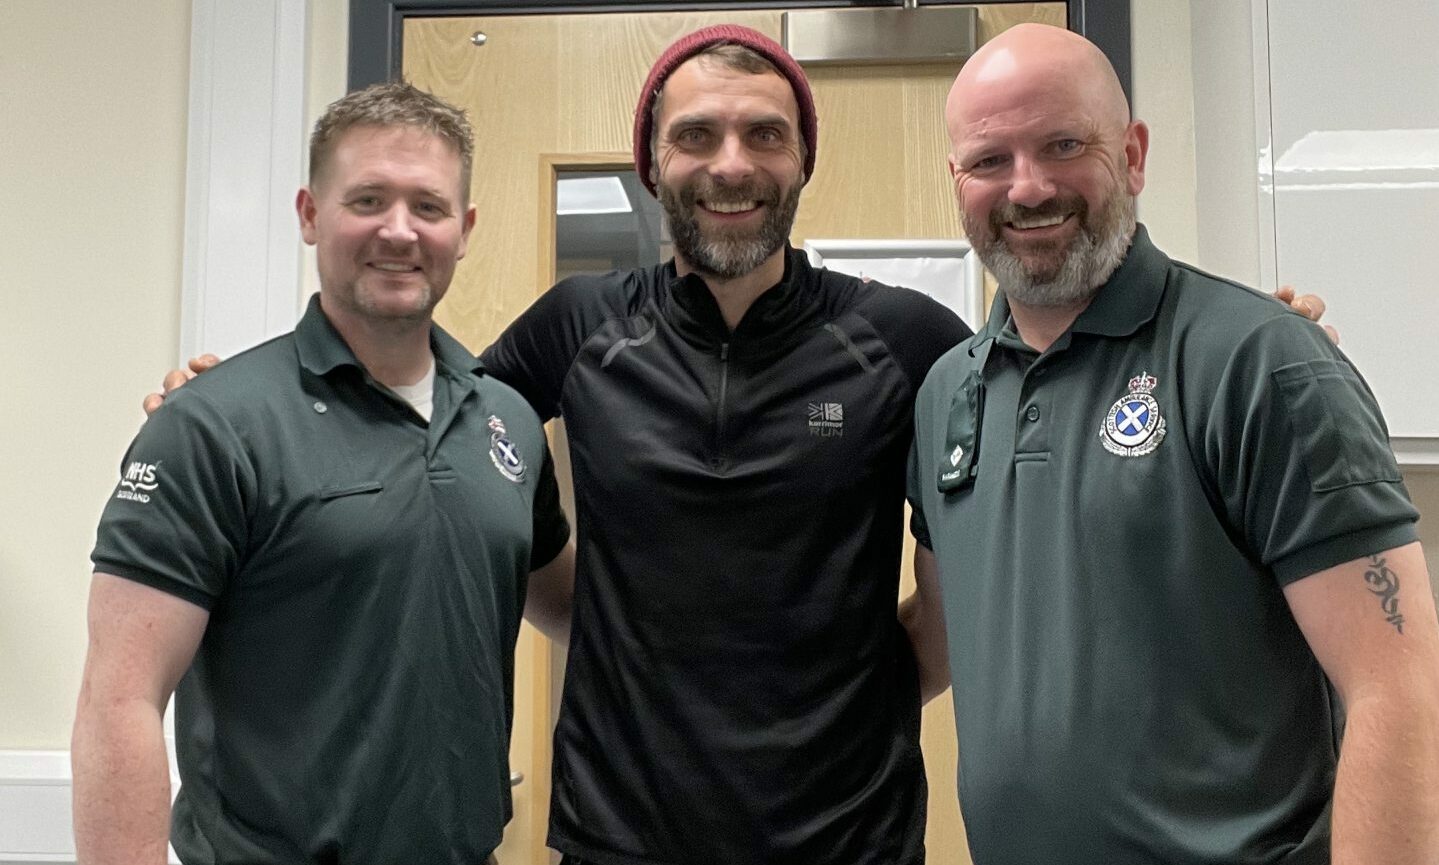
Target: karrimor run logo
[(826, 419), (138, 481)]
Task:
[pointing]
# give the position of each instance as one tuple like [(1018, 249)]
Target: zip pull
[(717, 460)]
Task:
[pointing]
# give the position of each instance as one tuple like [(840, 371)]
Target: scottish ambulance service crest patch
[(1134, 426), (503, 452)]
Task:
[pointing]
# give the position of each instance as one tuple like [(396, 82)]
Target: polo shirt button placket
[(1031, 437)]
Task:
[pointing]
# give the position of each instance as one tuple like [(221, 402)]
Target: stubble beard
[(728, 255), (1066, 277), (371, 304)]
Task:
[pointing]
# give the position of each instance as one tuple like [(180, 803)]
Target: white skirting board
[(35, 814), (35, 807)]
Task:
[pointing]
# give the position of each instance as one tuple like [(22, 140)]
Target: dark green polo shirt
[(365, 572), (1114, 522)]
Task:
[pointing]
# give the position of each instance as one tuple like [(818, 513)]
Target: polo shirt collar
[(322, 350), (1131, 296), (452, 353)]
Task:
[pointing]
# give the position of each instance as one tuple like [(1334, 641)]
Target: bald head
[(1046, 163), (1030, 61)]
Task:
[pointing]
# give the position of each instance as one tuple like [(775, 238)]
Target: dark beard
[(728, 256)]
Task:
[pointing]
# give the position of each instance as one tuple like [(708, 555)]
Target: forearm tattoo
[(1385, 583)]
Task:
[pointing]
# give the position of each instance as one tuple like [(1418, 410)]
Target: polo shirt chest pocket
[(343, 506), (1336, 426), (346, 489), (341, 474)]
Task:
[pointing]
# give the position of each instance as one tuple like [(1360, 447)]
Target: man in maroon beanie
[(740, 688)]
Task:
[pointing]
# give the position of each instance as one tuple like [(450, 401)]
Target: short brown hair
[(396, 103)]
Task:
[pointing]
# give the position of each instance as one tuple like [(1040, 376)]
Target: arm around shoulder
[(1372, 625), (141, 642), (922, 616), (551, 595), (533, 355)]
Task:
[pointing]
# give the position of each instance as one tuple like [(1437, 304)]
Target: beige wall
[(92, 161), (1424, 487), (92, 164), (1163, 98), (92, 147), (326, 60)]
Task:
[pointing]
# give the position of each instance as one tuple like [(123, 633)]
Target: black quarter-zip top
[(738, 688)]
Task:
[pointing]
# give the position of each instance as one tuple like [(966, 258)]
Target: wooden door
[(545, 90)]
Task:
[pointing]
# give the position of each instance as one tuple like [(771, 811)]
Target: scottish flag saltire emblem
[(1134, 427), (503, 452)]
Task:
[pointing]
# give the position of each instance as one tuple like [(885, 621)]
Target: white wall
[(92, 164)]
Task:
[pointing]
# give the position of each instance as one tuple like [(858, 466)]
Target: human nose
[(1029, 184), (397, 226), (732, 160)]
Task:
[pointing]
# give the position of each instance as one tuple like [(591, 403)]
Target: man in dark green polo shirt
[(1174, 546), (325, 543)]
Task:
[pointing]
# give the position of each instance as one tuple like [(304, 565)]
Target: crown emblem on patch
[(1143, 383)]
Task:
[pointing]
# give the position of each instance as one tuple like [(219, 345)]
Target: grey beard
[(726, 257), (1092, 258)]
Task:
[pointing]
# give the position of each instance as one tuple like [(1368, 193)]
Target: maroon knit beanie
[(687, 47)]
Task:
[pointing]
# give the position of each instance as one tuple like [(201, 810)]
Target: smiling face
[(1045, 164), (388, 219), (729, 165)]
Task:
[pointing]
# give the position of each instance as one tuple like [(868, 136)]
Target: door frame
[(552, 165), (377, 26)]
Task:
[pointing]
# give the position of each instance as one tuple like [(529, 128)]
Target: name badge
[(959, 463)]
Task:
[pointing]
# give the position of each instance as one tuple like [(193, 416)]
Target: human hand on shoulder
[(1311, 306), (176, 378)]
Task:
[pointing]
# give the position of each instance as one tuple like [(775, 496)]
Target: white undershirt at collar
[(421, 394)]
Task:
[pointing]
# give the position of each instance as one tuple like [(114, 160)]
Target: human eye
[(987, 163), (692, 136), (365, 202), (431, 209), (767, 135), (1067, 146)]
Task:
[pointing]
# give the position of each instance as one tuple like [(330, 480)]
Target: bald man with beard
[(1174, 546)]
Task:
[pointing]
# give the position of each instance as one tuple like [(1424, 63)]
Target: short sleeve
[(918, 525), (1300, 453), (176, 520), (917, 329)]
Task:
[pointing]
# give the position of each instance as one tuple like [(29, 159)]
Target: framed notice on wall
[(946, 270)]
